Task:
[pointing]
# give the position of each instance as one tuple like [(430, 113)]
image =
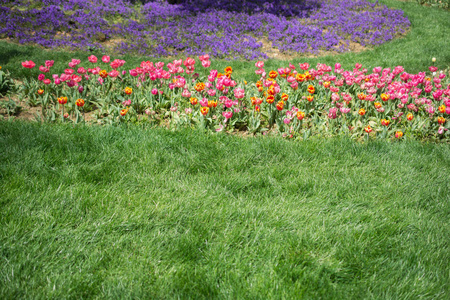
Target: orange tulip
[(128, 90), (273, 74), (123, 112), (300, 77), (79, 102), (385, 122), (270, 99), (385, 97), (199, 87), (280, 105), (193, 101), (62, 100), (103, 73), (204, 110), (409, 116)]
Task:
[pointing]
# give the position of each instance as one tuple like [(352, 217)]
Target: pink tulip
[(71, 83), (377, 69), (186, 93), (204, 57), (105, 59), (345, 110), (335, 97), (334, 89), (290, 79), (227, 114), (259, 72), (228, 103), (332, 113), (437, 95), (117, 63), (304, 66), (203, 102), (28, 64), (49, 63), (177, 63), (41, 77), (113, 73), (259, 64), (206, 63), (92, 59), (239, 93), (43, 69), (47, 81), (189, 62), (430, 109)]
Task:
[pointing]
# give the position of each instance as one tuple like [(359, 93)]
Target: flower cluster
[(296, 101), (221, 28)]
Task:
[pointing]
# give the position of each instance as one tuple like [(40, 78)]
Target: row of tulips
[(296, 101)]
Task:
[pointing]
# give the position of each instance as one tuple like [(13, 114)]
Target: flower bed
[(229, 29), (294, 101)]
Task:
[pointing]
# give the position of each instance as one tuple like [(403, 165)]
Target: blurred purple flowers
[(233, 29)]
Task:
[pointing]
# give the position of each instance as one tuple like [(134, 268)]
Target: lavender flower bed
[(236, 29)]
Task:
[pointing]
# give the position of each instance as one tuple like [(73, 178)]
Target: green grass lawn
[(429, 37), (127, 212)]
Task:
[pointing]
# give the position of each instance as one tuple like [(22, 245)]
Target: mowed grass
[(127, 212), (428, 37)]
